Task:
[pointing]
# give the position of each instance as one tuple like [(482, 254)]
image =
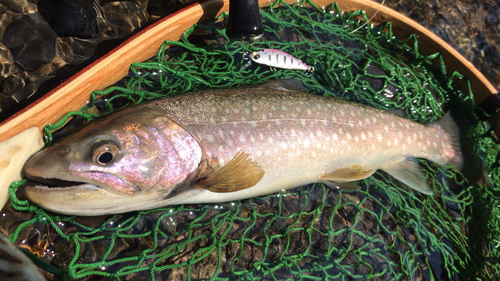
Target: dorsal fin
[(239, 173)]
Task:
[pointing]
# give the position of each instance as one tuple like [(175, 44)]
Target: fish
[(278, 59), (230, 144), (15, 265)]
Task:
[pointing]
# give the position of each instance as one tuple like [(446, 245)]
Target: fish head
[(130, 160)]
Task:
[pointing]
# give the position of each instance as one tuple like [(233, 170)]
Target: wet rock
[(29, 89), (7, 65), (70, 17), (124, 17), (31, 41), (5, 103), (74, 50), (82, 30), (20, 6), (159, 8), (11, 84)]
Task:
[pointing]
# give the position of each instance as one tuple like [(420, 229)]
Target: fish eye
[(104, 153), (256, 55), (105, 158)]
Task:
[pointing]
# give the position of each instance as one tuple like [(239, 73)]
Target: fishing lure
[(278, 59)]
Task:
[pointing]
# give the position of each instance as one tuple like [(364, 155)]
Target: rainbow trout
[(223, 145)]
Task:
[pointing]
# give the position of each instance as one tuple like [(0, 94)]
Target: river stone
[(70, 17), (124, 18), (11, 83), (7, 65), (31, 41)]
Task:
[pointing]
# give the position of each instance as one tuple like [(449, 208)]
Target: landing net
[(383, 231)]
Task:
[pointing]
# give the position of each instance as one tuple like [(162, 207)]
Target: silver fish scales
[(224, 145)]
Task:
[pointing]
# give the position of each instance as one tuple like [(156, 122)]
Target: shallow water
[(61, 39)]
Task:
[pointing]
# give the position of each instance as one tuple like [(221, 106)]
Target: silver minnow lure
[(279, 59), (230, 144)]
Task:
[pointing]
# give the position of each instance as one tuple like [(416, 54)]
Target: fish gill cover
[(383, 231)]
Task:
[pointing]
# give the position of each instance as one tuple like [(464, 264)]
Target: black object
[(492, 104), (70, 17), (244, 19), (31, 41)]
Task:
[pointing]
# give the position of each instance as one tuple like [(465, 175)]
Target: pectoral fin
[(343, 178), (239, 173), (409, 172)]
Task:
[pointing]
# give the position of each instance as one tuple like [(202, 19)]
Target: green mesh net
[(383, 231)]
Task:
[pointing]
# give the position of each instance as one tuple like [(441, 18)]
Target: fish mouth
[(83, 180), (53, 183), (75, 198), (83, 198)]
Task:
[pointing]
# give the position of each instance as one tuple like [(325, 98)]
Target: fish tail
[(408, 170), (452, 152)]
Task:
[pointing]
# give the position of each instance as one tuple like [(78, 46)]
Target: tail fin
[(452, 152)]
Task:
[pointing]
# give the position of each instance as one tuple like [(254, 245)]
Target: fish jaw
[(87, 200)]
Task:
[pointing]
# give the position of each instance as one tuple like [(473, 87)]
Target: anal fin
[(239, 173), (409, 172)]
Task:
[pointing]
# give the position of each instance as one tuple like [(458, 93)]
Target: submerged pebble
[(70, 17), (31, 41)]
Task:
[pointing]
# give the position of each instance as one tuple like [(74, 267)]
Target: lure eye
[(255, 55), (105, 154)]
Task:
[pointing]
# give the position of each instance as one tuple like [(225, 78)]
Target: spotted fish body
[(279, 59), (224, 145)]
